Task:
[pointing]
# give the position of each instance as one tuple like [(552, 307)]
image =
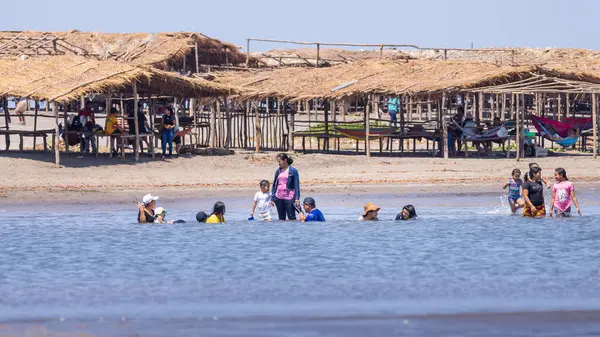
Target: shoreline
[(33, 177)]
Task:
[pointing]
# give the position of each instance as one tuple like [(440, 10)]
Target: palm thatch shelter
[(182, 51), (61, 79), (421, 83)]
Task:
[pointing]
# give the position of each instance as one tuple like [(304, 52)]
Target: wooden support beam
[(136, 122), (518, 127), (258, 130), (443, 110), (595, 124), (367, 128), (56, 135)]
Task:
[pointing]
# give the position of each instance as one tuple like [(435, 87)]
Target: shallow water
[(458, 270)]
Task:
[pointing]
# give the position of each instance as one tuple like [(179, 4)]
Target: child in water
[(408, 212), (562, 193), (160, 214), (218, 214), (514, 190), (262, 199)]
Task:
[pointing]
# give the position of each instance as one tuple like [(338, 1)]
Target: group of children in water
[(529, 193)]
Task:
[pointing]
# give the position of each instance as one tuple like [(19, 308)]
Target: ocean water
[(465, 268)]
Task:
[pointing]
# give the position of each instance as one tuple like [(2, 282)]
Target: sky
[(426, 23)]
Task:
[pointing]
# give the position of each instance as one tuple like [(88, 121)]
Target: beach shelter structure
[(433, 82), (66, 78)]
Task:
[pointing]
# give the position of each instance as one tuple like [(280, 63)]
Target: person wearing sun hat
[(370, 212), (146, 209)]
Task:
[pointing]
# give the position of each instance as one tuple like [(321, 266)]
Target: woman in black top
[(168, 131), (146, 209), (533, 194)]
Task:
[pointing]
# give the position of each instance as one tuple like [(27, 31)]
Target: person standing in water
[(286, 188), (533, 194), (262, 200), (514, 184), (408, 212), (562, 193)]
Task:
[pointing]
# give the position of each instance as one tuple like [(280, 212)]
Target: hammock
[(360, 134), (544, 128), (561, 128), (183, 132), (499, 133)]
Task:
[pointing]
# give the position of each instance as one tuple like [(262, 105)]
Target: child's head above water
[(219, 208), (160, 212), (264, 186)]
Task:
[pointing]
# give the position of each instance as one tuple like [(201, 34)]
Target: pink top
[(282, 191), (563, 194)]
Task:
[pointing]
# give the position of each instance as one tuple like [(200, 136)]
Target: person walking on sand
[(286, 188), (20, 110), (146, 209), (370, 212), (562, 193), (533, 194)]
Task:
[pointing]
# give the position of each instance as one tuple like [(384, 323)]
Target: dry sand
[(33, 176)]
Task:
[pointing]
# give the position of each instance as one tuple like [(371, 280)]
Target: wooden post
[(443, 111), (518, 127), (197, 58), (479, 115), (257, 130), (410, 109), (292, 130), (35, 118), (318, 54), (247, 52), (567, 105), (367, 128), (503, 107), (559, 106), (66, 128), (228, 118), (136, 122), (82, 102), (595, 124), (213, 126), (56, 135)]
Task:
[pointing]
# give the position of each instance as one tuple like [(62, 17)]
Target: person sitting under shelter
[(113, 128)]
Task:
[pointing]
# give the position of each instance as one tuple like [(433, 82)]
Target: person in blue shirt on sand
[(312, 213)]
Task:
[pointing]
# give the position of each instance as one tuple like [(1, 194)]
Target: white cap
[(159, 210), (148, 198)]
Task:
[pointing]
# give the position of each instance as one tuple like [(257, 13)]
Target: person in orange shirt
[(112, 127)]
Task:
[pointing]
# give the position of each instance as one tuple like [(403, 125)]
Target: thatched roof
[(159, 50), (307, 57), (63, 78), (393, 78)]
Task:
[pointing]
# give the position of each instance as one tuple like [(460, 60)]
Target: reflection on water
[(91, 269)]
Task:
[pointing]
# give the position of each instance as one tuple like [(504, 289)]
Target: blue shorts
[(513, 198), (393, 116)]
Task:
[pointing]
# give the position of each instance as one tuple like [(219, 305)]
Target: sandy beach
[(33, 176)]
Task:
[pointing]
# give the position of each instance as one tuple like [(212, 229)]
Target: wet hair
[(219, 208), (412, 212), (532, 165), (264, 183), (532, 172), (283, 156), (561, 172), (515, 171), (169, 109), (310, 202), (201, 216)]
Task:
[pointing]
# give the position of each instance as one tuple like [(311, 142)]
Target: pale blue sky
[(428, 23)]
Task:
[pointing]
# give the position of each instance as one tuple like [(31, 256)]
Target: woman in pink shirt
[(286, 188), (562, 193)]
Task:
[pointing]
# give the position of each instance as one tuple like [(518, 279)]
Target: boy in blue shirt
[(312, 213)]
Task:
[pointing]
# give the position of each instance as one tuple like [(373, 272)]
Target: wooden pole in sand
[(257, 130), (559, 106), (367, 128), (136, 122), (292, 129), (595, 124), (518, 127), (443, 109), (228, 118), (213, 126), (56, 135), (6, 122), (35, 118), (567, 105)]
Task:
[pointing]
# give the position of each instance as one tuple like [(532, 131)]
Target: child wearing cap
[(312, 213), (160, 214)]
